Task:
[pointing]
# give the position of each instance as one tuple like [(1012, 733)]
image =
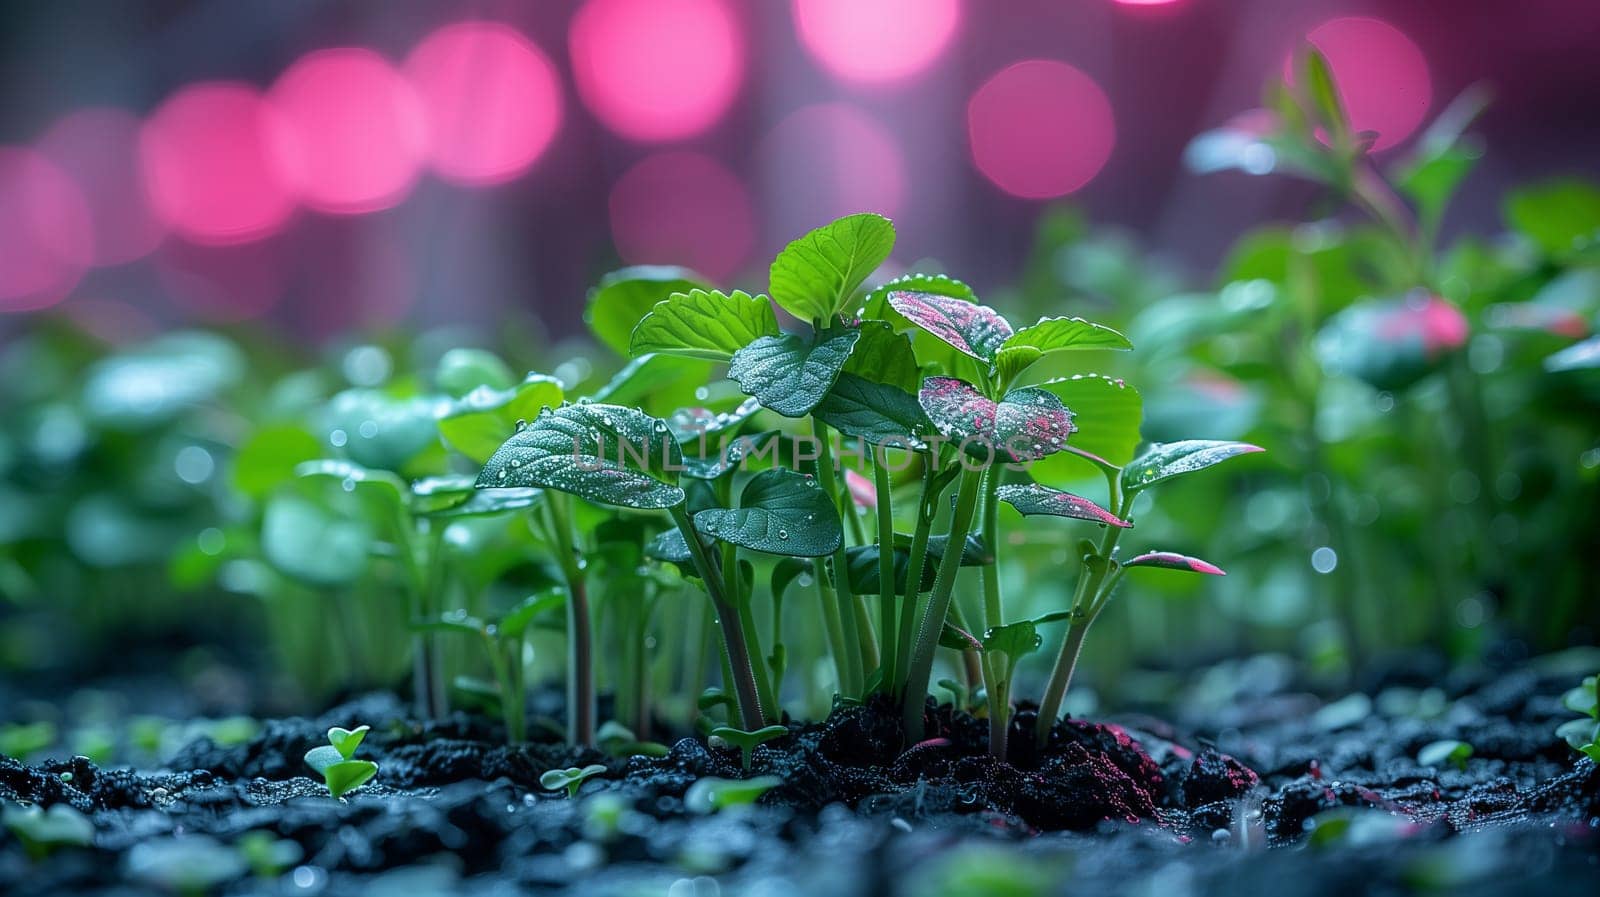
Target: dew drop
[(783, 534), (349, 484), (522, 424), (500, 474)]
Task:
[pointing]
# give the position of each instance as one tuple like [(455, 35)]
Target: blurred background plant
[(211, 278)]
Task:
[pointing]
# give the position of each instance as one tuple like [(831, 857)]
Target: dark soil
[(1134, 807)]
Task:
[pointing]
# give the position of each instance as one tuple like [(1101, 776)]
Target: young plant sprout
[(42, 832), (1439, 753), (711, 794), (336, 763), (746, 742), (1583, 734), (571, 778)]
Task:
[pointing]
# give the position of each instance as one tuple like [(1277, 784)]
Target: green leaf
[(1438, 753), (460, 371), (692, 424), (1576, 357), (1063, 334), (1171, 560), (957, 639), (704, 324), (785, 572), (1324, 94), (1026, 425), (780, 512), (789, 375), (457, 621), (158, 381), (875, 412), (1163, 461), (1014, 640), (432, 494), (815, 276), (477, 423), (625, 296), (1107, 413), (1033, 499), (268, 458), (1431, 179), (1579, 733), (312, 544), (514, 622), (323, 756), (348, 775), (487, 502), (1393, 343), (669, 546), (711, 794), (383, 493), (380, 431), (607, 454), (877, 304), (345, 741), (1559, 216), (725, 459), (974, 330), (884, 356)]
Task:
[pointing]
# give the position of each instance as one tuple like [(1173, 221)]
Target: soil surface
[(1259, 789)]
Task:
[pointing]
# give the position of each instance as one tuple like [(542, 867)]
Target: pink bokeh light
[(1381, 74), (1040, 129), (46, 238), (207, 162), (1146, 2), (491, 98), (655, 70), (848, 161), (98, 148), (683, 208), (876, 42), (354, 137)]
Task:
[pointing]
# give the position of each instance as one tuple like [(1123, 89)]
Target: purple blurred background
[(328, 166)]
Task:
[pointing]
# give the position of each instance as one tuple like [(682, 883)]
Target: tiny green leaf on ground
[(705, 324), (814, 276), (790, 375)]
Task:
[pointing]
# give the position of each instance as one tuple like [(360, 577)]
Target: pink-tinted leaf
[(969, 328), (1026, 425), (1034, 499), (862, 491), (958, 639), (1171, 560)]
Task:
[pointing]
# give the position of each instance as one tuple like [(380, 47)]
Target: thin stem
[(850, 630), (993, 609), (747, 623), (886, 590), (911, 599), (921, 665), (832, 623), (580, 645), (998, 687), (738, 653), (1061, 677)]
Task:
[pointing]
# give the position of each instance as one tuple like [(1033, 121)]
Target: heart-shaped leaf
[(971, 329), (780, 512), (1032, 498), (348, 775), (884, 356), (1033, 342), (1163, 461), (323, 756), (875, 412), (1174, 561), (269, 457), (1014, 640), (478, 422), (706, 324), (814, 277), (788, 374), (1026, 425), (608, 454), (623, 297), (345, 741)]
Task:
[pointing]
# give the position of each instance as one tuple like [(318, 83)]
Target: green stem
[(927, 506), (998, 688), (832, 623), (850, 630), (738, 653), (920, 669), (887, 624), (747, 623), (580, 644), (993, 609)]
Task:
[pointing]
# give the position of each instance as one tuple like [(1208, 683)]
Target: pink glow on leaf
[(862, 490), (99, 149), (1437, 322), (876, 42), (683, 208), (657, 69), (1381, 74), (207, 163), (46, 238), (354, 135), (490, 98), (1040, 129), (1171, 560), (847, 159)]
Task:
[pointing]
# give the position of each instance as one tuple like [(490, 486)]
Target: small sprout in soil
[(336, 762), (618, 740), (1583, 734), (23, 740), (267, 855), (710, 794), (1449, 751), (189, 864), (42, 832), (571, 778), (605, 816), (746, 741)]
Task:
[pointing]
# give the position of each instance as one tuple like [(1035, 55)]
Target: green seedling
[(1583, 734), (571, 778), (711, 794), (42, 832), (618, 740), (746, 742), (23, 740), (336, 763), (503, 640), (266, 854), (1439, 753)]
